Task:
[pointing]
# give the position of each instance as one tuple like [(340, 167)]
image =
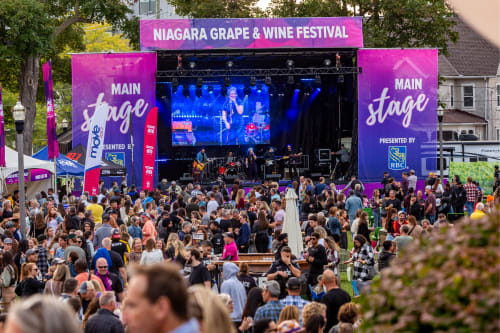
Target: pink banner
[(51, 116), (148, 160), (39, 174), (2, 133)]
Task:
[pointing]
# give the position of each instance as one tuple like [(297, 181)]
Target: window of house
[(452, 96), (498, 134), (498, 95), (468, 96), (147, 7)]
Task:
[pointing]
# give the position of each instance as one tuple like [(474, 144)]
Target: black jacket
[(104, 321), (28, 287), (384, 259)]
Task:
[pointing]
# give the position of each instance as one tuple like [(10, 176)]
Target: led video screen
[(216, 115)]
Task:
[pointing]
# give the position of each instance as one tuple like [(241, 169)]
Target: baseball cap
[(293, 283), (289, 326), (401, 212), (116, 190), (9, 224), (58, 261), (428, 187), (72, 236), (228, 234), (105, 218), (116, 234), (164, 180), (84, 287), (7, 241), (30, 252)]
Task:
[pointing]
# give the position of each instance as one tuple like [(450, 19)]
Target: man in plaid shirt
[(472, 195), (293, 298), (43, 257), (272, 308)]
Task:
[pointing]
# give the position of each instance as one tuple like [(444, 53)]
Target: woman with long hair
[(262, 233), (136, 251), (29, 285), (92, 308), (344, 223), (151, 254), (7, 209), (240, 199), (363, 228), (315, 324), (289, 312), (55, 285), (332, 254), (51, 218), (375, 204), (124, 235), (179, 253), (363, 259), (254, 301), (8, 280), (39, 224)]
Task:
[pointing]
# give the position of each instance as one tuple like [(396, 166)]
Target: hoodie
[(234, 288), (384, 259)]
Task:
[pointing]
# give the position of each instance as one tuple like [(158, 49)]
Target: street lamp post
[(19, 115), (440, 114)]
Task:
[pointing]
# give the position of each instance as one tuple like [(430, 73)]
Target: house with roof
[(471, 87)]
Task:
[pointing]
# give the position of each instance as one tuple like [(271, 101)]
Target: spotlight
[(289, 63), (199, 82), (229, 64), (267, 81), (227, 81), (259, 88), (210, 90), (253, 81), (192, 64), (327, 62), (318, 89), (317, 79), (290, 80), (340, 78)]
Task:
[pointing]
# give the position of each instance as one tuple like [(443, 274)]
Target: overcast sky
[(263, 3)]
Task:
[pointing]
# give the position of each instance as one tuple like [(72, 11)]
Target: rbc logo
[(397, 158), (116, 157)]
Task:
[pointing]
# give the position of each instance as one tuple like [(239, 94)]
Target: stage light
[(290, 80), (227, 81), (192, 64), (327, 62), (318, 89), (229, 64), (199, 82), (210, 89), (268, 81), (317, 79), (259, 88), (253, 81), (297, 90), (289, 63), (340, 78)]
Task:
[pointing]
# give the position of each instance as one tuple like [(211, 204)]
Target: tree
[(31, 30), (216, 8), (387, 23)]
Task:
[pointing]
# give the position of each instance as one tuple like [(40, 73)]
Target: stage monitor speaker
[(316, 175), (324, 155), (186, 180), (229, 179), (274, 177)]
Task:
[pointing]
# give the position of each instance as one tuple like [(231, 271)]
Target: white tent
[(292, 223), (11, 161)]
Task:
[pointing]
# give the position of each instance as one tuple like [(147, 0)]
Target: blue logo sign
[(116, 157), (397, 158)]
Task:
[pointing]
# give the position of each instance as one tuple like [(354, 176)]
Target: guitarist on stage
[(291, 161), (269, 159), (201, 161)]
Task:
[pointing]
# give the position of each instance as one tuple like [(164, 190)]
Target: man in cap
[(230, 251), (273, 307), (283, 269), (7, 245), (293, 286), (163, 186), (32, 257), (87, 294), (120, 246), (74, 245)]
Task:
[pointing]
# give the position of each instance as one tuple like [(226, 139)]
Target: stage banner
[(95, 145), (126, 81), (148, 160), (52, 144), (251, 33), (397, 118), (2, 133)]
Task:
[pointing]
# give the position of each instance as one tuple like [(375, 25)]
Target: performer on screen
[(232, 116), (251, 164)]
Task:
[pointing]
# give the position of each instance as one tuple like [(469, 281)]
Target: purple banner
[(13, 178), (2, 133), (397, 119), (126, 81), (53, 146), (39, 174), (259, 33)]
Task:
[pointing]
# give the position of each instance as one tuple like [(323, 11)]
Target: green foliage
[(387, 23), (481, 172), (100, 38), (445, 284), (216, 8)]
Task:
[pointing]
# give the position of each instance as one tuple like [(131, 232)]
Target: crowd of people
[(167, 260)]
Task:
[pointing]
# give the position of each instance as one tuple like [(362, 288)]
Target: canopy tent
[(292, 225), (65, 166), (79, 154), (11, 160)]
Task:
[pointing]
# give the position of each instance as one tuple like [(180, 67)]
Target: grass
[(344, 283)]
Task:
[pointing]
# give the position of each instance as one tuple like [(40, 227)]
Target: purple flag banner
[(39, 174), (2, 133), (397, 119), (126, 82), (248, 33), (52, 144), (13, 178)]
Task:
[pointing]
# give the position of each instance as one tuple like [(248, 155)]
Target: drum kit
[(231, 168)]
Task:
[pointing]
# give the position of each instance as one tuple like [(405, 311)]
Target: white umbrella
[(292, 224)]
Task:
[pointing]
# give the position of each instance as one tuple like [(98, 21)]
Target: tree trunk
[(28, 86)]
